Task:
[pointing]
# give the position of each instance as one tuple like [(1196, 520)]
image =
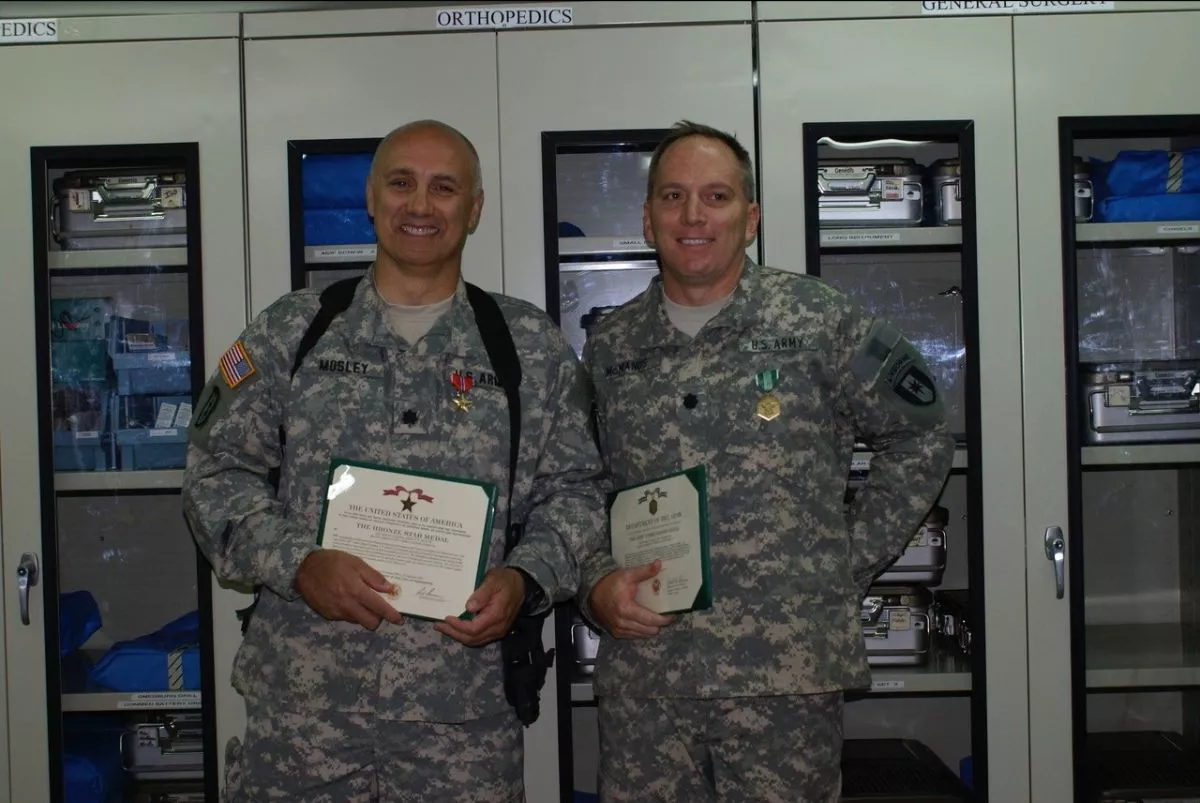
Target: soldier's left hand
[(495, 605)]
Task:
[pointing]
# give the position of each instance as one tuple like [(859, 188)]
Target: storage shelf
[(1142, 655), (916, 237), (332, 254), (1159, 230), (945, 672), (1132, 454), (118, 480), (118, 258), (137, 701)]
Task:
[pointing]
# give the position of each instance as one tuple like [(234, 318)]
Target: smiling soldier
[(347, 701), (766, 378)]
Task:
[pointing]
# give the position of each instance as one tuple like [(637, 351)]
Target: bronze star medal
[(768, 407), (462, 383)]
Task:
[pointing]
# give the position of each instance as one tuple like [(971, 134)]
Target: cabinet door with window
[(1110, 273), (122, 228), (896, 186)]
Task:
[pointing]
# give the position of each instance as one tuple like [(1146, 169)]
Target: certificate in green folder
[(666, 519), (428, 534)]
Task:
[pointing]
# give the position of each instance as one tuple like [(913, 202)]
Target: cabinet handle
[(27, 578), (1056, 550)]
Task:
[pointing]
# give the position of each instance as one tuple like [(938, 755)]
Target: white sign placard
[(506, 17), (954, 7), (16, 32)]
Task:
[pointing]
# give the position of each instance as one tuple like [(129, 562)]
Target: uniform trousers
[(784, 749), (332, 757)]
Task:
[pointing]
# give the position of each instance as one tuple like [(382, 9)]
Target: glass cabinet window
[(597, 257), (1131, 273), (332, 235), (890, 222), (117, 269)]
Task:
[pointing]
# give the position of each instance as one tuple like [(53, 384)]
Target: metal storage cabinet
[(923, 90), (1115, 647), (601, 95), (95, 511)]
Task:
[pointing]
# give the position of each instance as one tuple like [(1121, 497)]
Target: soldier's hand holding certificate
[(665, 519), (427, 534)]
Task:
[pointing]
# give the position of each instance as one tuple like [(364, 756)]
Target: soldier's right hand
[(343, 587), (612, 603)]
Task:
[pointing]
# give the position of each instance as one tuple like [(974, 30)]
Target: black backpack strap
[(502, 353), (335, 299)]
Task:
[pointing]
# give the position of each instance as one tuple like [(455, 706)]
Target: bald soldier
[(347, 700), (765, 378)]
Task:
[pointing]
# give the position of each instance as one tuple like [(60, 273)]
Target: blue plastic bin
[(151, 356), (144, 441)]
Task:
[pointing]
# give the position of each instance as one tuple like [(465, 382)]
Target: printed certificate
[(429, 535), (666, 519)]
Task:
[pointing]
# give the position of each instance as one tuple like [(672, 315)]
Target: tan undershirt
[(412, 323), (691, 320)]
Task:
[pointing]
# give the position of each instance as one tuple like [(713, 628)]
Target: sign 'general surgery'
[(1013, 6), (506, 17), (16, 32)]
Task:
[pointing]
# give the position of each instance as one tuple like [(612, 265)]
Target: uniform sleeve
[(599, 562), (564, 511), (229, 496), (897, 411)]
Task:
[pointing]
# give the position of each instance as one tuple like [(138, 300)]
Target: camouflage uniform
[(363, 393), (790, 563)]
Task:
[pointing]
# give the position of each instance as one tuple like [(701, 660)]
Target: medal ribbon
[(461, 382), (767, 380)]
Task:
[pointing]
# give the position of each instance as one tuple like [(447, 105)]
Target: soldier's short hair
[(687, 128)]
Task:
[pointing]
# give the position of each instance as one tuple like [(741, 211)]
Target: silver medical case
[(1085, 197), (869, 192), (1146, 403), (102, 209), (923, 561), (945, 179), (170, 747), (895, 622)]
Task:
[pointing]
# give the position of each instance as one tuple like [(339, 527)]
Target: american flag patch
[(235, 365)]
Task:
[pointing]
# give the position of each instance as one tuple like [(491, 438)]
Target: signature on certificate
[(429, 592)]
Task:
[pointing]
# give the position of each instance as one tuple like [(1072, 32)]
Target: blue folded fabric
[(335, 180), (78, 620), (145, 663)]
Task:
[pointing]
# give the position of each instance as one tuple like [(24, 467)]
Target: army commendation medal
[(462, 383), (768, 406)]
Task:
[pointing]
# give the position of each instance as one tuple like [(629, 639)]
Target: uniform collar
[(454, 334), (653, 328)]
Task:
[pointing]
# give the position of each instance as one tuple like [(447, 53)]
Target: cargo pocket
[(233, 772)]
